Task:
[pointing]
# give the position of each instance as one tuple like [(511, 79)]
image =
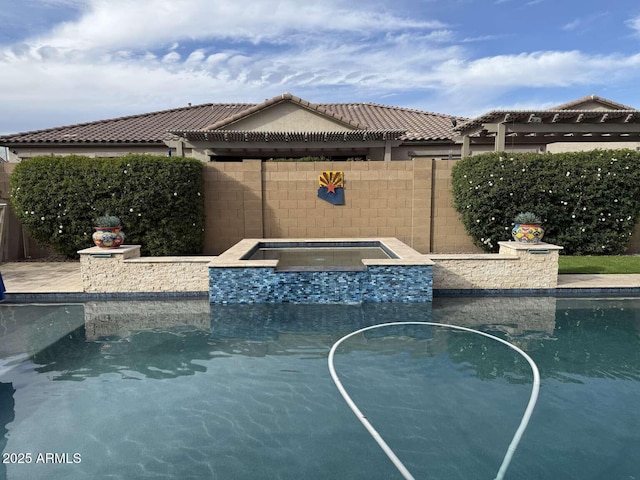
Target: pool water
[(300, 257), (185, 390)]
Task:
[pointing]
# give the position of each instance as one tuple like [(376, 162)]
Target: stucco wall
[(287, 117), (86, 150), (562, 147)]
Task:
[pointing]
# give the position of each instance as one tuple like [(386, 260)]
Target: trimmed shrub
[(159, 200), (588, 201)]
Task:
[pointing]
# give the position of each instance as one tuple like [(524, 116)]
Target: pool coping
[(407, 256), (90, 296)]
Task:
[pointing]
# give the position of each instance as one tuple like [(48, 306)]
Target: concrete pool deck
[(24, 278)]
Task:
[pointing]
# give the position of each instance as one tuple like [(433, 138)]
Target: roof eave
[(46, 143)]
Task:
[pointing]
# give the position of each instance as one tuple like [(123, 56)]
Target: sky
[(71, 61)]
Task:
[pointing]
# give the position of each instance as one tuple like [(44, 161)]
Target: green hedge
[(589, 201), (158, 199)]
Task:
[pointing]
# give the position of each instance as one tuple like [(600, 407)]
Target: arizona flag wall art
[(331, 187)]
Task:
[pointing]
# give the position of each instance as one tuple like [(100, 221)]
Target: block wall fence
[(410, 200)]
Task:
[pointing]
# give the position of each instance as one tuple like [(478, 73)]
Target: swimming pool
[(184, 389)]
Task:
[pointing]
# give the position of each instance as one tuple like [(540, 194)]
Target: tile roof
[(418, 124), (570, 112), (154, 127), (592, 98), (145, 128)]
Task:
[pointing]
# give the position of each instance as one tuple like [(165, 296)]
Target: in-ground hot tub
[(320, 271), (319, 256)]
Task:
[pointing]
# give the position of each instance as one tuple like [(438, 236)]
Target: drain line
[(378, 438)]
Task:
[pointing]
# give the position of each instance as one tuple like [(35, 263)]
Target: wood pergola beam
[(578, 128)]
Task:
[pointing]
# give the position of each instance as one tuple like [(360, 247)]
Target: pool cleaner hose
[(378, 438)]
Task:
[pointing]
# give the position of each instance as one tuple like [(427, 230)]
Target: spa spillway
[(320, 271)]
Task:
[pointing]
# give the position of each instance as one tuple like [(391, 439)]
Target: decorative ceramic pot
[(527, 233), (108, 237)]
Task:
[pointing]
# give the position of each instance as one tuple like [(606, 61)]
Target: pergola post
[(500, 137), (387, 151), (465, 151)]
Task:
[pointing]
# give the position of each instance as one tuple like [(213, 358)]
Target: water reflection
[(566, 337)]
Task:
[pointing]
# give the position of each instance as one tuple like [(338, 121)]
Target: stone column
[(537, 266), (101, 268)]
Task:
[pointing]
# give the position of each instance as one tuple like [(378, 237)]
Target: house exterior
[(287, 126), (284, 126)]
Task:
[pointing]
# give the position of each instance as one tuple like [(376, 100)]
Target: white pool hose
[(378, 438)]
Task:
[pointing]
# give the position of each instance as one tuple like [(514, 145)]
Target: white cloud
[(171, 57), (109, 24), (572, 25), (537, 69), (127, 56), (634, 24)]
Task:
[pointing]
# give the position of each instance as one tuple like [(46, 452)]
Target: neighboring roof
[(589, 99), (154, 127), (551, 117), (571, 112)]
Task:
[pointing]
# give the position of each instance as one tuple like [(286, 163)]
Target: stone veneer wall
[(125, 271), (516, 266), (379, 283)]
